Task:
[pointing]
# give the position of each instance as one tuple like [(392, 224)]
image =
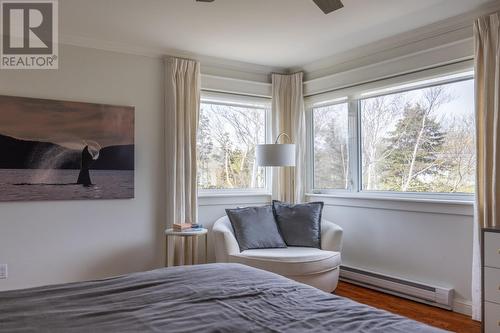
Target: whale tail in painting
[(87, 160)]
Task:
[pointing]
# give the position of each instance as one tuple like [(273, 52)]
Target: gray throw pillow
[(300, 225), (255, 228)]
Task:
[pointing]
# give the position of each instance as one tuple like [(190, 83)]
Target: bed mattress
[(202, 298)]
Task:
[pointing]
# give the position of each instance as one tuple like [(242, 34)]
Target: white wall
[(423, 242), (52, 242)]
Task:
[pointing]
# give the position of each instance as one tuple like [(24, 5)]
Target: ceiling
[(278, 33)]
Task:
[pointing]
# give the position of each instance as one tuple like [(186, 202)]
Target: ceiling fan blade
[(328, 6)]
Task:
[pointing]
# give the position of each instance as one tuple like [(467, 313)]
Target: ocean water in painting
[(60, 184)]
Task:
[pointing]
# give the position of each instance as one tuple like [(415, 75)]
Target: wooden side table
[(189, 244)]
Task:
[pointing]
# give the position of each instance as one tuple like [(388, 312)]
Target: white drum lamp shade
[(275, 154)]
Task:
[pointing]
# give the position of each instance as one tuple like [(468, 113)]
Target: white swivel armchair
[(316, 267)]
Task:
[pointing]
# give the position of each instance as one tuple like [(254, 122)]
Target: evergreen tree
[(414, 147)]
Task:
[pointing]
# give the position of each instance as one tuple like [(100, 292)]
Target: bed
[(201, 298)]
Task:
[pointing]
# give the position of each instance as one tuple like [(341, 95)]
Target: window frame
[(353, 96), (245, 101), (310, 145)]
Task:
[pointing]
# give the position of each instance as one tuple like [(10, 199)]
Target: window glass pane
[(420, 140), (331, 157), (227, 136)]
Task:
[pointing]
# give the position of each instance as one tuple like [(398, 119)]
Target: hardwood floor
[(430, 315)]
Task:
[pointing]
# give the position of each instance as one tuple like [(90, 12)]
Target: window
[(413, 138), (227, 134), (331, 155), (420, 140)]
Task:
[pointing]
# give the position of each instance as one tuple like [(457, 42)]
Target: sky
[(70, 124), (463, 98), (461, 103)]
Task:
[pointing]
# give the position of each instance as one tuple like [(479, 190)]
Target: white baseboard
[(462, 306)]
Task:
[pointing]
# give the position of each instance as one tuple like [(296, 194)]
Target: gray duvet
[(203, 298)]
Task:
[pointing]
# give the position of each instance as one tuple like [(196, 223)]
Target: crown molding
[(443, 39), (428, 58), (209, 65), (453, 30), (383, 51)]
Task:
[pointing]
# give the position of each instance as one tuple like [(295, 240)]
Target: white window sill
[(225, 194), (396, 197), (233, 199), (451, 206)]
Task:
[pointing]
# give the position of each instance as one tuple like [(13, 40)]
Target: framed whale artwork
[(59, 150)]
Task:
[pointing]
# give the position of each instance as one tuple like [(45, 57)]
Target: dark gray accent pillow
[(255, 228), (300, 225)]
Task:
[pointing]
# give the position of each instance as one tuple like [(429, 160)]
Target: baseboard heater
[(432, 295)]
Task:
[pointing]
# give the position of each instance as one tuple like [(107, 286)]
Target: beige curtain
[(182, 107), (487, 95), (289, 117)]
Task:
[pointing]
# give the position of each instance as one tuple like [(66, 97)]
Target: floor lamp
[(276, 154)]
